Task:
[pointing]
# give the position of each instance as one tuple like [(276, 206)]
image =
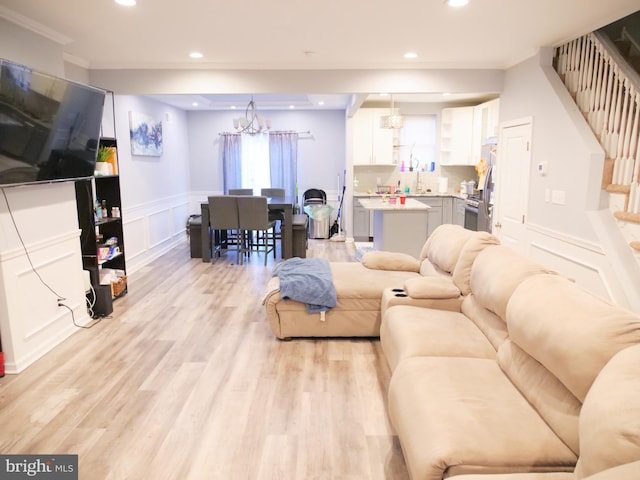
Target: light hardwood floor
[(186, 381)]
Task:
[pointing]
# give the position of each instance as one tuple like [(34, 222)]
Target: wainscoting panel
[(32, 322), (153, 228), (580, 261)]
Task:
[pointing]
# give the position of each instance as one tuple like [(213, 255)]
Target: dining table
[(280, 204)]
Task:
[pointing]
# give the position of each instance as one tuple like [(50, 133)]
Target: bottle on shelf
[(105, 211), (98, 210)]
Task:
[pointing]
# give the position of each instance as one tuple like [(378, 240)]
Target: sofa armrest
[(431, 287)]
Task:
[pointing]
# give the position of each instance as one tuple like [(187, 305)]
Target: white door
[(512, 186)]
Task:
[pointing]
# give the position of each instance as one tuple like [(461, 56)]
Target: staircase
[(606, 87)]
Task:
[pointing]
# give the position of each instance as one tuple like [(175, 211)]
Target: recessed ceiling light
[(233, 107), (410, 55), (457, 3), (196, 55), (320, 103), (126, 3), (194, 104), (292, 107)]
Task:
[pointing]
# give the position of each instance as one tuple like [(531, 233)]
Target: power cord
[(33, 268), (73, 318)]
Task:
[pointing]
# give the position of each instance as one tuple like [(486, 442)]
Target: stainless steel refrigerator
[(486, 194)]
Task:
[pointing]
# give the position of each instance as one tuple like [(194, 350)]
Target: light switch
[(558, 197)]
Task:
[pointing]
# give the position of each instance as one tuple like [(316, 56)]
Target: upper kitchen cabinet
[(372, 145), (485, 125), (456, 135), (464, 130)]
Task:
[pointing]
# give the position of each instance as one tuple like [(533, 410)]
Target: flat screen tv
[(49, 126)]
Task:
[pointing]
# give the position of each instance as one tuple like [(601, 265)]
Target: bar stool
[(224, 221), (253, 213)]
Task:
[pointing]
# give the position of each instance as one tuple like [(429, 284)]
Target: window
[(255, 162), (418, 138)]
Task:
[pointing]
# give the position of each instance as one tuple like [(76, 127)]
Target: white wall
[(563, 236), (25, 47), (46, 226), (155, 190), (560, 140)]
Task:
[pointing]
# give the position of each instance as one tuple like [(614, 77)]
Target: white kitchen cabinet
[(458, 211), (485, 125), (456, 136), (361, 222), (463, 131), (435, 212), (372, 144)]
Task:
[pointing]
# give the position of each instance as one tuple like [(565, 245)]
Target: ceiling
[(290, 34)]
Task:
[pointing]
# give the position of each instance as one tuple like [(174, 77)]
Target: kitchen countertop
[(409, 195), (378, 204)]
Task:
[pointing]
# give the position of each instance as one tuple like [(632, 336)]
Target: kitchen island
[(396, 227)]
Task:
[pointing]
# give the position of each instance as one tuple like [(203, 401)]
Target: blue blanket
[(307, 280)]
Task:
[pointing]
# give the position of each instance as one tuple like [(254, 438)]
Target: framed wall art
[(146, 135)]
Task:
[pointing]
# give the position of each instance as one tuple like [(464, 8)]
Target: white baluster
[(603, 114), (615, 126), (634, 207)]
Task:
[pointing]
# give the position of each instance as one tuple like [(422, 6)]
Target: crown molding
[(34, 26)]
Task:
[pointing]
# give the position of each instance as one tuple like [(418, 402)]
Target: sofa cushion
[(380, 260), (473, 246), (444, 244), (544, 391), (496, 272), (628, 471), (569, 330), (431, 287), (610, 418), (428, 269), (409, 331), (493, 327), (354, 280), (463, 416), (519, 476)]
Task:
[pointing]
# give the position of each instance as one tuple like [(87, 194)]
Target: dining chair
[(241, 191), (277, 215), (225, 225), (273, 192), (253, 213)]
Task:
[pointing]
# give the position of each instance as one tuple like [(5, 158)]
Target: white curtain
[(283, 159), (260, 161), (231, 161)]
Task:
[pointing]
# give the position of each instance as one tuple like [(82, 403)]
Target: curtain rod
[(308, 132)]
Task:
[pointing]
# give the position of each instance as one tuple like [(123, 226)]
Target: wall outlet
[(542, 168)]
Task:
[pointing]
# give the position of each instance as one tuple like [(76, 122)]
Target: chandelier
[(393, 120), (251, 123)]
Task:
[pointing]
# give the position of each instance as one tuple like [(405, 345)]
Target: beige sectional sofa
[(442, 270), (533, 378)]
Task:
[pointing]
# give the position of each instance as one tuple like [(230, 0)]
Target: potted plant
[(105, 160)]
